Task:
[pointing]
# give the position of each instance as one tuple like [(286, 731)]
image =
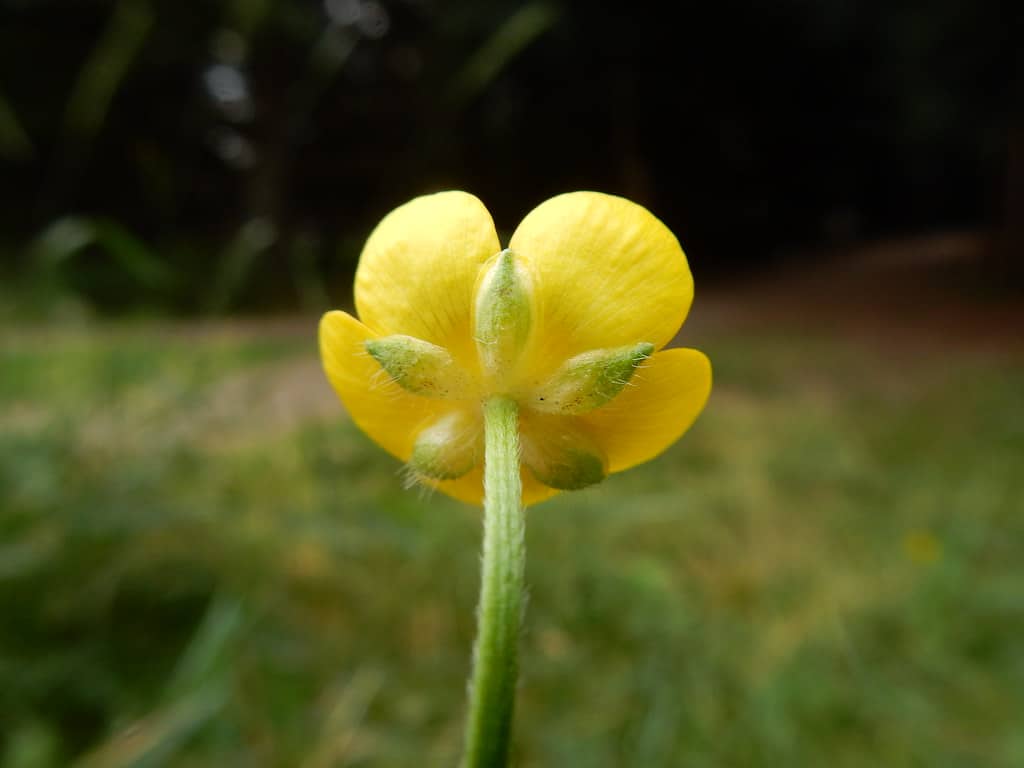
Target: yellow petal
[(664, 397), (533, 490), (391, 416), (419, 267), (608, 273)]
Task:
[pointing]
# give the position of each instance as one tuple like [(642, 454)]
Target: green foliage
[(203, 563)]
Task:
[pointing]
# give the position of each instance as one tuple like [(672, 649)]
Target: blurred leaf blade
[(70, 235), (152, 739), (106, 68), (14, 141), (237, 262), (196, 692), (206, 657), (511, 37)]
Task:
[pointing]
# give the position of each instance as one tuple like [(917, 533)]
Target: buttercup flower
[(569, 321)]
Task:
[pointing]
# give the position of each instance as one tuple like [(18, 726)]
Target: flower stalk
[(495, 667)]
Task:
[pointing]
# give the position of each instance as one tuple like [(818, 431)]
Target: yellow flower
[(568, 321)]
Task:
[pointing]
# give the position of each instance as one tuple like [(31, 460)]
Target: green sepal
[(589, 380), (448, 448), (503, 315), (420, 367), (562, 456)]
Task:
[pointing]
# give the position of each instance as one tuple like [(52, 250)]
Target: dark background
[(235, 154)]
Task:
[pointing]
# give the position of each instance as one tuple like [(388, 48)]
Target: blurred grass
[(203, 563)]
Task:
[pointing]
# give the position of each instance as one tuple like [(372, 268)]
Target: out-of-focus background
[(202, 562)]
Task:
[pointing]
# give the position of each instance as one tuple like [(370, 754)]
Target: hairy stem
[(493, 686)]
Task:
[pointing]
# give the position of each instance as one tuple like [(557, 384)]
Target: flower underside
[(570, 322), (557, 448)]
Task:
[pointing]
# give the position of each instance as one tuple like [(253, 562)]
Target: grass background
[(202, 562)]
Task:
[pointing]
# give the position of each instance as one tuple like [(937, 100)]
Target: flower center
[(556, 445)]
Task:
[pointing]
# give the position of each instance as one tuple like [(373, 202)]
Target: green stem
[(493, 687)]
